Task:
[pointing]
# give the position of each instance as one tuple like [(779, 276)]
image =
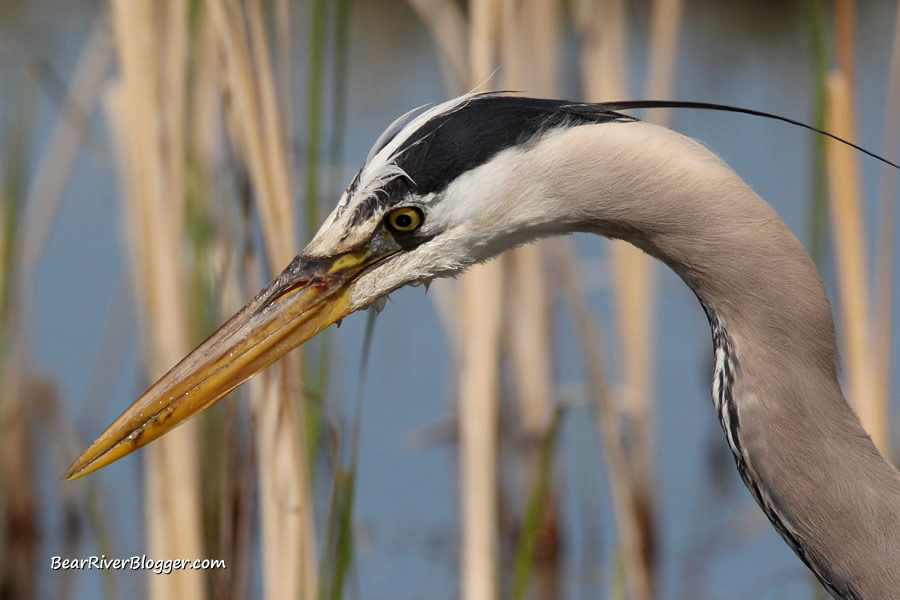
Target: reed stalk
[(206, 243), (238, 524), (317, 28), (602, 29), (622, 489), (481, 304), (448, 28), (146, 107), (284, 66), (844, 26), (636, 292), (526, 37), (530, 56), (848, 232), (257, 130)]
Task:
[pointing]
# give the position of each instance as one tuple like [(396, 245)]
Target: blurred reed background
[(195, 145)]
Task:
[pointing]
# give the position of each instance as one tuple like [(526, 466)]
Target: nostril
[(279, 294)]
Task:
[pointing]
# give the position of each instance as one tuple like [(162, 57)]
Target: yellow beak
[(307, 297)]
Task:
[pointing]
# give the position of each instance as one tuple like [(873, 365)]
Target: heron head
[(438, 192)]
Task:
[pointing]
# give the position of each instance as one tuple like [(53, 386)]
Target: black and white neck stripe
[(725, 372)]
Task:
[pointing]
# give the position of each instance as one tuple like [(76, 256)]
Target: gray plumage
[(799, 447)]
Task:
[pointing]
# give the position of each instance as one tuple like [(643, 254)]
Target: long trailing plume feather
[(380, 166), (632, 104)]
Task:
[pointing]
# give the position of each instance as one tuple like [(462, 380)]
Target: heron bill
[(310, 295)]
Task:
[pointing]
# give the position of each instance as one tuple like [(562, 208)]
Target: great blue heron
[(475, 176)]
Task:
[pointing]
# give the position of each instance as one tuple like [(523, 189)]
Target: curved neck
[(798, 446)]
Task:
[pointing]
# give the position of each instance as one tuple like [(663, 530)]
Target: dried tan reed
[(480, 302), (449, 29), (530, 31), (530, 43), (145, 106), (602, 29), (636, 293), (850, 257), (255, 124), (622, 488), (844, 20), (282, 17), (257, 129), (518, 28), (665, 24)]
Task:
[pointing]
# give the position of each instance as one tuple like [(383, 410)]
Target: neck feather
[(798, 446)]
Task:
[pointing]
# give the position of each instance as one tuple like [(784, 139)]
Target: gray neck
[(799, 447)]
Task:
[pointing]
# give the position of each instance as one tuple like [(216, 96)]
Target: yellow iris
[(404, 220)]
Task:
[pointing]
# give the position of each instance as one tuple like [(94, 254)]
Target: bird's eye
[(404, 220)]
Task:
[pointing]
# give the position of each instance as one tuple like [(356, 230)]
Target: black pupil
[(403, 221)]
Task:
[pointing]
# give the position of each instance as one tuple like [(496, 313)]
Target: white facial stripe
[(336, 232)]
